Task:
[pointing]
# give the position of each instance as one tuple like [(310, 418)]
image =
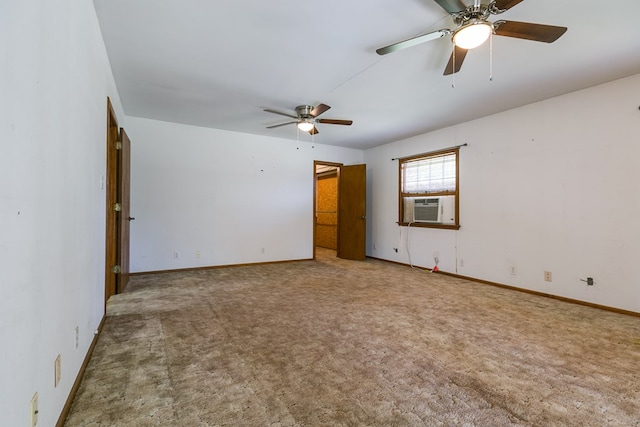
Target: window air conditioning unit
[(427, 210)]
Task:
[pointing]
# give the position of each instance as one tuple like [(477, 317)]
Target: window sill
[(429, 225)]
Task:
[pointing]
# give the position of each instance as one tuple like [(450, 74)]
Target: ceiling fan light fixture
[(305, 126), (473, 34)]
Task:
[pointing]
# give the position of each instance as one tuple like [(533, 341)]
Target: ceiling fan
[(306, 118), (473, 29)]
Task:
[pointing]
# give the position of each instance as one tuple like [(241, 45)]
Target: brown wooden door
[(124, 215), (111, 188), (352, 210), (117, 201)]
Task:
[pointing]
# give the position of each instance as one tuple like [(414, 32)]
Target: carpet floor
[(331, 342)]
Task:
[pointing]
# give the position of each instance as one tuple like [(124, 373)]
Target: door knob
[(363, 217), (131, 218)]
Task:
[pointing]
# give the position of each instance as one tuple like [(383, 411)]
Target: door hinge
[(118, 145), (116, 269), (117, 207)]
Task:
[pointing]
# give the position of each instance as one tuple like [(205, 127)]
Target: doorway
[(339, 218), (326, 206), (118, 154)]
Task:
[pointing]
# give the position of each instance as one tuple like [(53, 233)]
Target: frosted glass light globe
[(472, 34)]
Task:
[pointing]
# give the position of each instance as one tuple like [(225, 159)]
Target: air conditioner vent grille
[(427, 210)]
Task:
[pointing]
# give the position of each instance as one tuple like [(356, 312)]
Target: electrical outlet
[(176, 255), (57, 370), (461, 263), (33, 408), (547, 276), (77, 336), (198, 253), (514, 270)]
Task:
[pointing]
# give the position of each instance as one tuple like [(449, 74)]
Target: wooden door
[(117, 204), (111, 188), (352, 210), (124, 215)]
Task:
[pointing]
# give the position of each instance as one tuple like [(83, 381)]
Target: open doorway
[(325, 228), (339, 210)]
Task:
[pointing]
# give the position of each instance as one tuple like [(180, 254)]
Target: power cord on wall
[(408, 250), (436, 257)]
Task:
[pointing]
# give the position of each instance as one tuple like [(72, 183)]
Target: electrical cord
[(408, 250), (436, 258)]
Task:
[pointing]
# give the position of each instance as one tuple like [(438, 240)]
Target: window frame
[(456, 193)]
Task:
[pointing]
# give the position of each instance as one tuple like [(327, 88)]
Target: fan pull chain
[(491, 57)]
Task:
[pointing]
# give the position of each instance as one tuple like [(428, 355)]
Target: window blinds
[(431, 174)]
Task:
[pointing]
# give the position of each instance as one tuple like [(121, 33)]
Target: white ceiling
[(219, 63)]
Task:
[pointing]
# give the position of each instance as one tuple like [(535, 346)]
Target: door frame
[(316, 163), (118, 165)]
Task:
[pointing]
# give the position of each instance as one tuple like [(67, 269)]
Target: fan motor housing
[(304, 111), (480, 12)]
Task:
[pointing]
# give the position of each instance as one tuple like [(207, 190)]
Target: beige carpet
[(342, 343)]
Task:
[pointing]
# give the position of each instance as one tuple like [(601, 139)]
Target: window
[(429, 190)]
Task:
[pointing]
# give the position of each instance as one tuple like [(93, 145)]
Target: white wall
[(564, 171), (552, 186), (235, 198), (54, 82)]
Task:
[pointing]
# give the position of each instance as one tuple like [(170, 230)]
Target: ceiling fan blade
[(281, 124), (319, 109), (529, 31), (313, 131), (452, 6), (413, 41), (503, 5), (460, 53), (335, 122), (280, 112)]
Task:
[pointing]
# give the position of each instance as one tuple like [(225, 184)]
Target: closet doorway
[(339, 209), (326, 206)]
